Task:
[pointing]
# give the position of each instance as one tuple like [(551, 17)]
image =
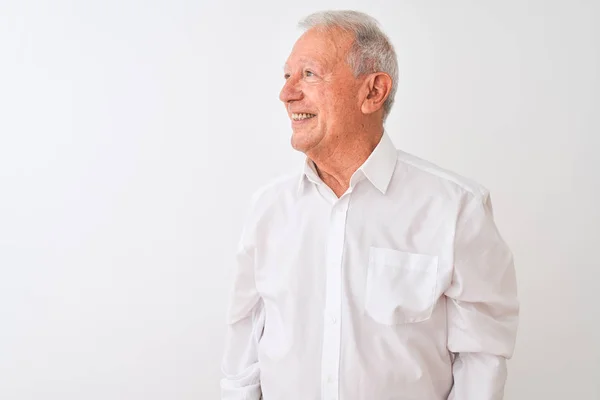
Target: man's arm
[(482, 305), (245, 320)]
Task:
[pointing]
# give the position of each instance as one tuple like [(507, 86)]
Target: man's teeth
[(298, 117)]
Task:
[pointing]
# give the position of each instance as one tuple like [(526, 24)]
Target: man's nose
[(290, 91)]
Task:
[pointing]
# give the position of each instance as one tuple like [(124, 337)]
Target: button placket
[(333, 300)]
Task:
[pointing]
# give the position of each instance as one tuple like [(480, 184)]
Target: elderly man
[(372, 274)]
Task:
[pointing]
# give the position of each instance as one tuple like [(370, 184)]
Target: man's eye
[(286, 76), (309, 73)]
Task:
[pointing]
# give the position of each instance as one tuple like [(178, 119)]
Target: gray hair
[(372, 50)]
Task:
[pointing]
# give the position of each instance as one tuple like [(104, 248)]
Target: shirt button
[(333, 319)]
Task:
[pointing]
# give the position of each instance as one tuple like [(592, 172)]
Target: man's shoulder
[(276, 188), (447, 177)]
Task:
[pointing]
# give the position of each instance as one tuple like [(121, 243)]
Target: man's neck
[(336, 167)]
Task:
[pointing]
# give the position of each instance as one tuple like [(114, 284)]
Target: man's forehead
[(320, 47), (305, 60)]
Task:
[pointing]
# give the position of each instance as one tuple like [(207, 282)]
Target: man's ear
[(378, 88)]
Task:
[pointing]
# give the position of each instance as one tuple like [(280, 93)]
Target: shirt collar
[(378, 168)]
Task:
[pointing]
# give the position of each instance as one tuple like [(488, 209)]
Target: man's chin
[(296, 144), (300, 141)]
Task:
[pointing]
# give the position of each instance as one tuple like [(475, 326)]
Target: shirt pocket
[(400, 286)]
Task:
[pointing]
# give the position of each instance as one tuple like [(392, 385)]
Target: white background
[(132, 134)]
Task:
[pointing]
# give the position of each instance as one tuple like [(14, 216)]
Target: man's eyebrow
[(307, 61)]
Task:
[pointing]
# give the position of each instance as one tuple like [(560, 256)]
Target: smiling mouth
[(302, 116)]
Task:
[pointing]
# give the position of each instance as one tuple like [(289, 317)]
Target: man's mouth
[(302, 116)]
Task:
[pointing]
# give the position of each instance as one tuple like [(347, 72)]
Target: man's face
[(320, 82)]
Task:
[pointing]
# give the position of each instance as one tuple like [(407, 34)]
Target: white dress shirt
[(400, 289)]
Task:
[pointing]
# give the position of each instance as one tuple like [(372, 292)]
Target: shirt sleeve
[(245, 323), (482, 305)]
